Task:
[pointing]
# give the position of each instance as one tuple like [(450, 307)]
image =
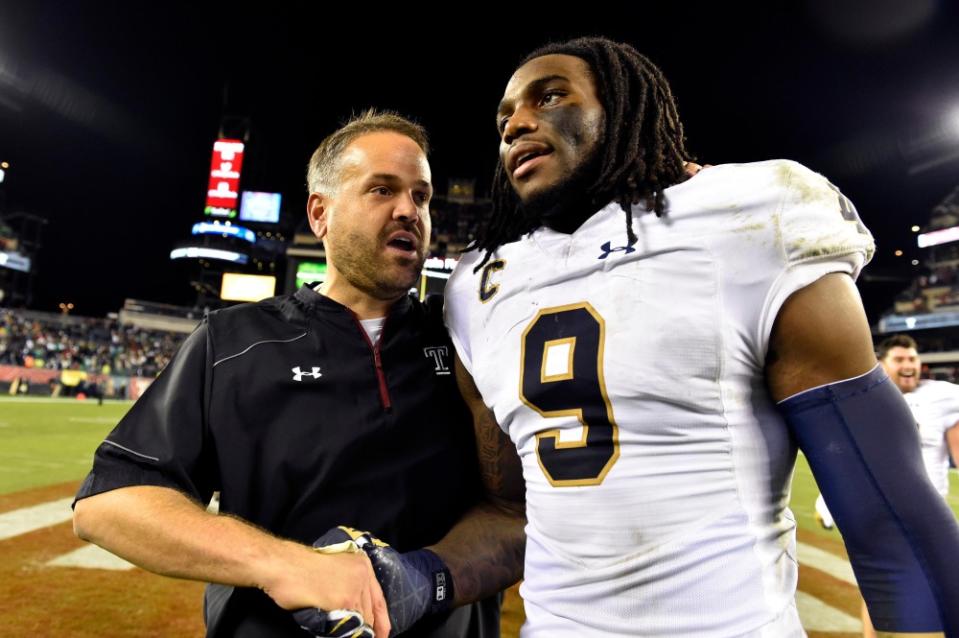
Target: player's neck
[(567, 216), (566, 225), (566, 206)]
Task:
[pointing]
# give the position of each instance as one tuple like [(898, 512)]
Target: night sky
[(108, 111)]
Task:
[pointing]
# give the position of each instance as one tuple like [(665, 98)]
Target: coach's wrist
[(267, 561)]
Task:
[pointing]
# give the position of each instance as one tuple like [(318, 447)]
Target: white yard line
[(818, 616), (826, 562), (29, 519), (91, 557)]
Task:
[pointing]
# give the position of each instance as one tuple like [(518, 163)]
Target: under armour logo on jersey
[(607, 251), (299, 374), (440, 356)]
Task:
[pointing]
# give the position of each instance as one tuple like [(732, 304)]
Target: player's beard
[(568, 203)]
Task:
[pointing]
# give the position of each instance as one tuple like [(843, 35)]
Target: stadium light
[(898, 253), (227, 229), (937, 237), (915, 229), (197, 252), (4, 164)]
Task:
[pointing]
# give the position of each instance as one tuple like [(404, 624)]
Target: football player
[(654, 351)]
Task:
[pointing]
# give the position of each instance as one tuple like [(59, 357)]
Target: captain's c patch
[(487, 289)]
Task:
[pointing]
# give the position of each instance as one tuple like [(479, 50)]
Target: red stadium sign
[(224, 190)]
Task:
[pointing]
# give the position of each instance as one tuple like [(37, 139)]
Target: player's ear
[(317, 211)]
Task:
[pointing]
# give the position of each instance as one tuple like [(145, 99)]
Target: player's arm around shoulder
[(862, 445), (484, 550), (166, 532)]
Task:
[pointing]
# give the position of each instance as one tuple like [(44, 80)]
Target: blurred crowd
[(99, 346)]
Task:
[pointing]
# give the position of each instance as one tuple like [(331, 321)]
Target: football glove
[(338, 623), (414, 584)]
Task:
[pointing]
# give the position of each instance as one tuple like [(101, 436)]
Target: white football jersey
[(935, 406), (630, 379)]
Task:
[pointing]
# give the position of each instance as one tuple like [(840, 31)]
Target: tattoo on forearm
[(499, 464), (488, 447)]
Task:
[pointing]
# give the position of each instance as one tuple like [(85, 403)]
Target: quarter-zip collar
[(321, 303)]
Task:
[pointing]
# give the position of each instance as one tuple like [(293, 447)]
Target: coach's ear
[(317, 211)]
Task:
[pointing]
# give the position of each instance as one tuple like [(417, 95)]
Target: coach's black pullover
[(287, 410)]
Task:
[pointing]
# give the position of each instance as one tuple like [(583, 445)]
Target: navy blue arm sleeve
[(862, 444), (162, 440)]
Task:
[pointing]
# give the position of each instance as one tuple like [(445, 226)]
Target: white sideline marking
[(91, 557), (818, 616), (826, 562), (29, 519)]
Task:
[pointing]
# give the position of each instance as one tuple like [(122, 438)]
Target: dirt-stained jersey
[(935, 405), (630, 379)]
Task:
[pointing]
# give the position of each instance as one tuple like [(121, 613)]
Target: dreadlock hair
[(642, 152)]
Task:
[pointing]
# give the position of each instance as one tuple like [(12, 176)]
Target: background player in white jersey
[(636, 360), (934, 404)]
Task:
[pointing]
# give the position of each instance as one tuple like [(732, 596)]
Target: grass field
[(52, 584), (47, 441)]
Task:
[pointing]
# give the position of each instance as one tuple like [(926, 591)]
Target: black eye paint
[(574, 126), (565, 205)]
